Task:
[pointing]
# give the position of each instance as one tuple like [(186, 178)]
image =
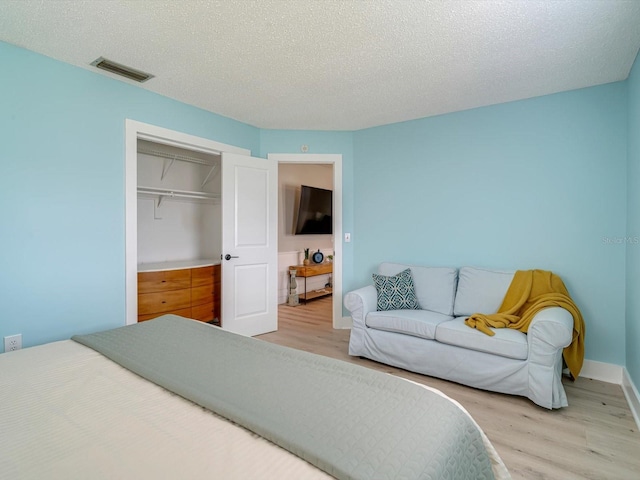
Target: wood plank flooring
[(594, 438)]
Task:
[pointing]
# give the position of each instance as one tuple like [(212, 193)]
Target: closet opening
[(172, 184), (179, 232)]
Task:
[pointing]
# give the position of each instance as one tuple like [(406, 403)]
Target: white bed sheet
[(67, 412)]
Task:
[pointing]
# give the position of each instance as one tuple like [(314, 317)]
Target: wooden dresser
[(180, 289)]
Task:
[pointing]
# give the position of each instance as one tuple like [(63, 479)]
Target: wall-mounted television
[(314, 212)]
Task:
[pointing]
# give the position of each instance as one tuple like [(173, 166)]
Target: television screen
[(314, 214)]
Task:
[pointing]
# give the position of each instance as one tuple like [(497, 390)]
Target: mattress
[(69, 412)]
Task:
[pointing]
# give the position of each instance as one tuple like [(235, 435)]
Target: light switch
[(347, 237)]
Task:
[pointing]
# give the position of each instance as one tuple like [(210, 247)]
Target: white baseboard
[(632, 395), (605, 372)]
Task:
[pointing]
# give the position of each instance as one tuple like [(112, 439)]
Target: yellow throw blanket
[(531, 291)]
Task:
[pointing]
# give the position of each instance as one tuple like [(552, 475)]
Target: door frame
[(334, 159), (135, 131)]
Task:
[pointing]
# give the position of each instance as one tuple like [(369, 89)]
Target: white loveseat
[(435, 340)]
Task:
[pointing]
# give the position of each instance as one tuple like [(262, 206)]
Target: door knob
[(229, 257)]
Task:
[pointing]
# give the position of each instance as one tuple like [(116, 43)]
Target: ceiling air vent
[(121, 70)]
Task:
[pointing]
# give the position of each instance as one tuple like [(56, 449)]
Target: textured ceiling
[(338, 65)]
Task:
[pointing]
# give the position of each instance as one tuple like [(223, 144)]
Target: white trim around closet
[(135, 131)]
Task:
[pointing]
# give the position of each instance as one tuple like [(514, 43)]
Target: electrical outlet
[(13, 342)]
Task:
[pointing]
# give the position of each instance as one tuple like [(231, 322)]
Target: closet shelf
[(214, 164), (175, 156), (162, 193)]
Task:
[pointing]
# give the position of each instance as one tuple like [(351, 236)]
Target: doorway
[(334, 160)]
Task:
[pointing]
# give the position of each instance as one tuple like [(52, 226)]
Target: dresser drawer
[(217, 272), (201, 295), (149, 282), (163, 301), (184, 312), (201, 276), (203, 313)]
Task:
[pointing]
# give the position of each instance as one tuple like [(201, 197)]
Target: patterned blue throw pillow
[(396, 292)]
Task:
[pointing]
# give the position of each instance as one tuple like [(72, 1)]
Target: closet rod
[(171, 156)]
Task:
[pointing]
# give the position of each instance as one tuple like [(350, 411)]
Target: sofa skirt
[(542, 384)]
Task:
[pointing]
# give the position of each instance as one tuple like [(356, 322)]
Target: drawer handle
[(164, 281)]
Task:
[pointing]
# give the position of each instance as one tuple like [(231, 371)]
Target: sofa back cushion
[(480, 290), (435, 287)]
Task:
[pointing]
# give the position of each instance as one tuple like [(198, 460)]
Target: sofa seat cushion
[(506, 342), (419, 323)]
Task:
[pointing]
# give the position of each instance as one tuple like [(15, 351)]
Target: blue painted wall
[(633, 227), (62, 204), (539, 183)]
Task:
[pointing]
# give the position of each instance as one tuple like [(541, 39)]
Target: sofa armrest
[(360, 302), (550, 330)]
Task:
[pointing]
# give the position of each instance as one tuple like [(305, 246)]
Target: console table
[(311, 271)]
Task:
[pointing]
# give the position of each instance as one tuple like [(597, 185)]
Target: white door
[(249, 244)]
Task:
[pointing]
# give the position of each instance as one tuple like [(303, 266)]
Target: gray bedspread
[(350, 421)]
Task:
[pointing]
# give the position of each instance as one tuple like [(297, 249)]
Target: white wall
[(179, 229), (187, 231)]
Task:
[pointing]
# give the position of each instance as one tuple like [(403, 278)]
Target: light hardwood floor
[(594, 438)]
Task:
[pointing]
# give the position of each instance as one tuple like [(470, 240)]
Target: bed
[(175, 398)]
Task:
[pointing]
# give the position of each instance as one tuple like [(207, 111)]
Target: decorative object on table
[(293, 285), (306, 257), (318, 257), (329, 258)]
